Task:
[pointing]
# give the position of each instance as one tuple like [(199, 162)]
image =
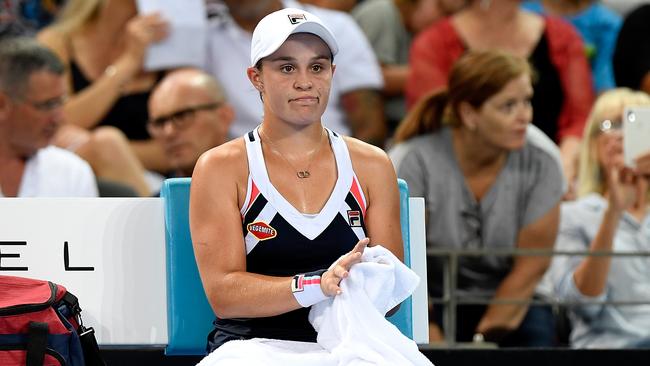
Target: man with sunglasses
[(32, 92), (188, 116)]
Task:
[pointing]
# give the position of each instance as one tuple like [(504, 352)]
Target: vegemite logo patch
[(354, 218), (261, 230), (296, 18)]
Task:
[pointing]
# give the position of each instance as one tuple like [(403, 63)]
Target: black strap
[(92, 357), (73, 302), (36, 343), (89, 346)]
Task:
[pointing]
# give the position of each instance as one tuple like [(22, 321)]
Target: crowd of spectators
[(519, 147)]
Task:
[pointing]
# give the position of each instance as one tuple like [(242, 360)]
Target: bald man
[(188, 115)]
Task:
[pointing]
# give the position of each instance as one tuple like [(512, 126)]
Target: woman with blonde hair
[(611, 214), (103, 42), (487, 185)]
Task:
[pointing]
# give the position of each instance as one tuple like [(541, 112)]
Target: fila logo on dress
[(354, 218)]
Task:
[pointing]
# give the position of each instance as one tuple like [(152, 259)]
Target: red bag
[(40, 324)]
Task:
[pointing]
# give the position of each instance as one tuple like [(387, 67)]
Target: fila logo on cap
[(296, 18), (261, 230)]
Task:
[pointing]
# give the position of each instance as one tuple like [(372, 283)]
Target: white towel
[(351, 327)]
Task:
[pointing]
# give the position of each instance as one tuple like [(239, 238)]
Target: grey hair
[(20, 57)]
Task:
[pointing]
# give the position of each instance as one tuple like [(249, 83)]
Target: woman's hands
[(141, 31), (627, 187), (71, 137), (622, 185), (331, 279), (643, 164)]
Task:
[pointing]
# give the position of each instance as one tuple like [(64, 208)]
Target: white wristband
[(306, 288)]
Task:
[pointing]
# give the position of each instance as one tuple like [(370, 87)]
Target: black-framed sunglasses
[(473, 219), (179, 119)]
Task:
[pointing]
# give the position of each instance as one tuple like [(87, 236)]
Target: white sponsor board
[(115, 260)]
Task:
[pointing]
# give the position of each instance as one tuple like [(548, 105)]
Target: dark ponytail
[(474, 78), (425, 117)]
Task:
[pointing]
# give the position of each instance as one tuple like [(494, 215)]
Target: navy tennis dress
[(282, 241)]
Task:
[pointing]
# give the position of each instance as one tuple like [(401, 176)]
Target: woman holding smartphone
[(611, 214)]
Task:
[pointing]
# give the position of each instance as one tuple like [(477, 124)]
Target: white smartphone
[(636, 133)]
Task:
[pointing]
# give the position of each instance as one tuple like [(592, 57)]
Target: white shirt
[(55, 172), (229, 57), (598, 325)]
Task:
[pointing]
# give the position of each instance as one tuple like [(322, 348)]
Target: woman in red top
[(563, 91)]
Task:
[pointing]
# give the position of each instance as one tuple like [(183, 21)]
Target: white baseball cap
[(271, 32)]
